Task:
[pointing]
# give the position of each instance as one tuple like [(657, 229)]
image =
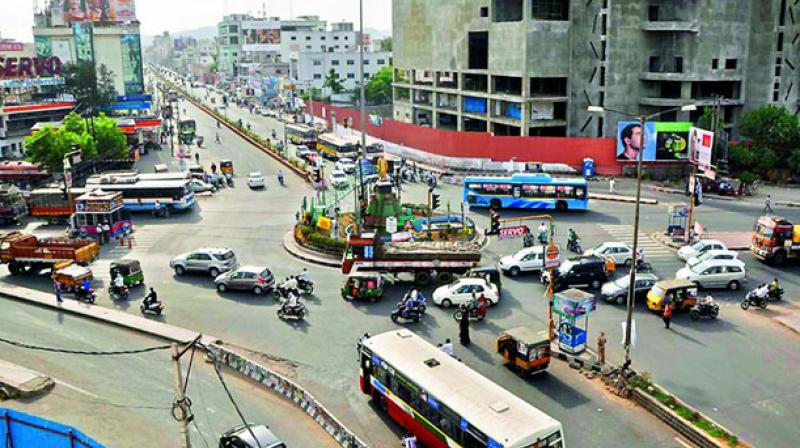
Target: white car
[(346, 165), (339, 179), (462, 290), (198, 186), (714, 254), (526, 260), (715, 274), (255, 180), (700, 247), (621, 253)]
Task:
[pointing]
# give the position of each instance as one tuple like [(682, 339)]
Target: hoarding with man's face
[(663, 141)]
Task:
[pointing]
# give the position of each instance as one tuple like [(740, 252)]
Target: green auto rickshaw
[(363, 286), (130, 270)]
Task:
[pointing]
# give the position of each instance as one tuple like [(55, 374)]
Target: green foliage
[(312, 93), (386, 44), (794, 162), (379, 87), (772, 127), (333, 82), (50, 145), (706, 121), (91, 88)]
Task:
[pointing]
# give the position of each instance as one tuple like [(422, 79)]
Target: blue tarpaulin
[(20, 430), (472, 104), (514, 112)]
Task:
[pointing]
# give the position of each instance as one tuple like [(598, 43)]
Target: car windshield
[(566, 266), (705, 256), (265, 273), (255, 175), (698, 245), (225, 256)]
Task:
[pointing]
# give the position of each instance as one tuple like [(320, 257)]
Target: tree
[(109, 140), (386, 44), (332, 82), (706, 121), (379, 87), (772, 127), (91, 88)]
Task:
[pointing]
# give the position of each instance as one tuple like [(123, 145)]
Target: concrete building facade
[(531, 67), (313, 66)]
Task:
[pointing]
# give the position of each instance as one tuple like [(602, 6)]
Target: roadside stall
[(573, 308), (99, 207), (678, 221), (526, 349)]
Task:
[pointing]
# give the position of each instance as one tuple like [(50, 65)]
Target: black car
[(579, 271)]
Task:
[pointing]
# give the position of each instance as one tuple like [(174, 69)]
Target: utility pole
[(632, 274), (185, 417), (362, 104)]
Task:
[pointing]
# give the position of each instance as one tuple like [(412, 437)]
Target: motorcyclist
[(762, 292), (483, 305), (774, 286), (527, 239), (304, 279), (542, 232), (119, 284), (150, 299), (217, 139), (408, 307), (290, 286), (420, 301), (572, 236)]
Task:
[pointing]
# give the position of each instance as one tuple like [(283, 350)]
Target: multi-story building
[(531, 67), (77, 35), (312, 67)]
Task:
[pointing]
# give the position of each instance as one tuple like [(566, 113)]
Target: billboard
[(99, 10), (701, 144), (663, 141), (261, 35), (84, 50), (44, 48), (132, 74)]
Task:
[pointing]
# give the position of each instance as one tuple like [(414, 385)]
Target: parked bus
[(527, 191), (142, 195), (335, 147), (52, 203), (443, 402), (300, 134), (372, 151)]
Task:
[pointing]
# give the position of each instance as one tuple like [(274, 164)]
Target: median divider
[(618, 198), (242, 365), (305, 175)]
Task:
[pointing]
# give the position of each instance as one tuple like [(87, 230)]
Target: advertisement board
[(84, 50), (261, 35), (663, 141), (701, 143), (99, 11), (132, 73)]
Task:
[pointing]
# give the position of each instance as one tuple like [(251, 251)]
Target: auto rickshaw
[(130, 270), (526, 349), (483, 271), (364, 286), (71, 275), (683, 293), (226, 167)]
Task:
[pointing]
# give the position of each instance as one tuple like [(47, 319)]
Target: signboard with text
[(701, 143), (513, 231), (99, 11)]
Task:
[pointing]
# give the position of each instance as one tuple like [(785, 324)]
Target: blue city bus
[(142, 195), (527, 191)]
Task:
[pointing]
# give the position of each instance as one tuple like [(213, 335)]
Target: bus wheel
[(561, 206), (495, 204), (422, 278)]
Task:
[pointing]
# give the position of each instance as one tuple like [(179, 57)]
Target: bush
[(326, 243)]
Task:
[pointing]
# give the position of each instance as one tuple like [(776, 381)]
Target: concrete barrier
[(280, 384)]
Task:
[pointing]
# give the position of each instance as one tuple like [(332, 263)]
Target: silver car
[(212, 260), (242, 437), (246, 278), (715, 274)]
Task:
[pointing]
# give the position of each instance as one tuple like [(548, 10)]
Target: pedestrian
[(447, 347), (106, 231), (601, 348), (409, 441), (197, 157), (213, 168), (57, 286), (99, 233), (611, 184), (463, 329), (768, 204), (667, 315)]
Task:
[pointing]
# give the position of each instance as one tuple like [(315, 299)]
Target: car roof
[(616, 244), (255, 173), (707, 242), (676, 283), (710, 263), (254, 269), (265, 437), (527, 250), (215, 250), (470, 280), (719, 252)]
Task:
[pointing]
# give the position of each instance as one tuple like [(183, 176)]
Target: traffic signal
[(435, 201), (494, 222), (317, 175)]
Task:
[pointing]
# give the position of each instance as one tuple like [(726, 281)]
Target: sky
[(157, 16)]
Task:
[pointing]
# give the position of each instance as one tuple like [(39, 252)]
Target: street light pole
[(362, 104)]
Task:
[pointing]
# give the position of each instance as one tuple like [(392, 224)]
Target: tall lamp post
[(362, 106), (643, 119)]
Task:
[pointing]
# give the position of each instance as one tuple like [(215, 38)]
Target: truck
[(775, 240), (426, 261), (12, 205), (28, 253)]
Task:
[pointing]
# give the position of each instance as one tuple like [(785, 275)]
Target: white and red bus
[(300, 134), (443, 402)]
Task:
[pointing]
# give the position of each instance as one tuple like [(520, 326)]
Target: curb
[(626, 199), (705, 195), (788, 204), (304, 254), (660, 239)]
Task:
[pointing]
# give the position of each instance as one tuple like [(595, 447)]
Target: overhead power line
[(83, 352)]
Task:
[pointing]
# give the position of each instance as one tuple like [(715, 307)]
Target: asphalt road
[(124, 401), (738, 368)]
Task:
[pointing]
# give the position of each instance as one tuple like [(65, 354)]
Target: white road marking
[(682, 443)]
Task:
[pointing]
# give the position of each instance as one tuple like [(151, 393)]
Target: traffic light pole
[(430, 211)]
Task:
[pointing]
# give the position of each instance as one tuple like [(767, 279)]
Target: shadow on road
[(552, 386)]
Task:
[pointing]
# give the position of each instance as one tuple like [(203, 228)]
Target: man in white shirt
[(447, 347)]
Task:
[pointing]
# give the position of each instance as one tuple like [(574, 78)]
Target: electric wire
[(233, 402), (84, 352)]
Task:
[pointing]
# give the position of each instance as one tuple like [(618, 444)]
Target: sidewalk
[(149, 326), (683, 193), (733, 240), (19, 382), (618, 198)]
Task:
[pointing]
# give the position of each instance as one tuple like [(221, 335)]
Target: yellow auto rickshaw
[(683, 293), (70, 275), (526, 349), (226, 167)]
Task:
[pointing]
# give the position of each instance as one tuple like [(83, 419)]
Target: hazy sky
[(157, 16)]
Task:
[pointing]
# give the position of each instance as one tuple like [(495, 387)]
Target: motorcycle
[(473, 312), (305, 287), (85, 295), (642, 266), (753, 299), (153, 308), (543, 237), (774, 294), (414, 314), (575, 246), (710, 309), (118, 293), (229, 179), (292, 312), (162, 212)]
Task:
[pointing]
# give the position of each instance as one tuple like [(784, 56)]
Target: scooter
[(297, 312), (229, 179), (710, 309), (774, 294), (118, 293), (305, 287), (414, 314), (85, 295), (575, 246), (753, 299), (473, 313), (154, 308)]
